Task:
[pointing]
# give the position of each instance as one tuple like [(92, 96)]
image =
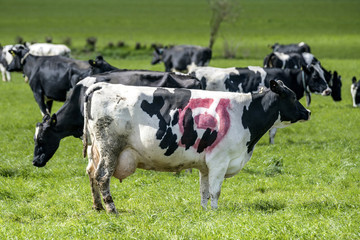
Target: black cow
[(355, 92), (289, 48), (50, 77), (303, 60), (251, 79), (69, 120), (179, 58)]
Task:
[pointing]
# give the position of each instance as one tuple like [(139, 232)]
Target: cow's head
[(355, 92), (157, 55), (46, 141), (19, 55), (316, 81), (290, 108), (99, 65)]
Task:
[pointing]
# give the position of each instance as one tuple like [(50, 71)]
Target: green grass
[(306, 186)]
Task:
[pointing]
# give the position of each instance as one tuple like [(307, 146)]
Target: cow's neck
[(70, 121), (28, 64), (260, 116)]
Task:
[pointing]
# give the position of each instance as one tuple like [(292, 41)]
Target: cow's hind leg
[(216, 178), (95, 192), (103, 174), (204, 188)]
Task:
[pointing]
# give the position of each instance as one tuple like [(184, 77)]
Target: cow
[(290, 48), (69, 119), (169, 130), (49, 49), (303, 60), (250, 79), (38, 49), (355, 92), (181, 57), (50, 77)]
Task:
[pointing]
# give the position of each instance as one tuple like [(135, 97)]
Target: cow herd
[(206, 118)]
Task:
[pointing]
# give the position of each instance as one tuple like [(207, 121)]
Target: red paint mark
[(205, 121), (219, 121)]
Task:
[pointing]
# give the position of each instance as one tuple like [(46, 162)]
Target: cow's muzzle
[(326, 92), (39, 161)]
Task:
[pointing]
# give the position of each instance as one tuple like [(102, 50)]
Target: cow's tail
[(268, 60), (87, 105)]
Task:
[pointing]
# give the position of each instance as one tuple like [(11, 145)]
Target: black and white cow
[(304, 60), (355, 92), (250, 79), (289, 48), (50, 77), (181, 57), (37, 49), (69, 119), (173, 129)]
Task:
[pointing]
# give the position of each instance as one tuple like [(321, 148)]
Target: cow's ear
[(92, 62), (157, 50), (276, 86), (53, 120), (354, 79), (12, 52)]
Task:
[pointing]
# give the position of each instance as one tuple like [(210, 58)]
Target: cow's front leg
[(103, 174), (39, 98), (272, 133), (49, 104), (308, 98), (204, 189)]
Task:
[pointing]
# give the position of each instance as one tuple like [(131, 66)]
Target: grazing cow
[(173, 129), (289, 48), (355, 92), (50, 77), (252, 78), (69, 119), (181, 57), (303, 60)]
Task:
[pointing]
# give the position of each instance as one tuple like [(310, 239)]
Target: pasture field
[(305, 186)]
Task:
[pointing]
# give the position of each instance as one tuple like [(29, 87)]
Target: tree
[(222, 10)]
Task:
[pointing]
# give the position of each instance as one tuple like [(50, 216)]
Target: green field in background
[(306, 186)]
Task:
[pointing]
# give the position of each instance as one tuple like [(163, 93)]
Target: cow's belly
[(154, 154)]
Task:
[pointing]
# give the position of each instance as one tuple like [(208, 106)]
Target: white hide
[(48, 49)]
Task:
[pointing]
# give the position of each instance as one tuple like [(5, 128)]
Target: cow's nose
[(326, 92)]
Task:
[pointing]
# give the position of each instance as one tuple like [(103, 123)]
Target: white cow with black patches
[(170, 129)]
